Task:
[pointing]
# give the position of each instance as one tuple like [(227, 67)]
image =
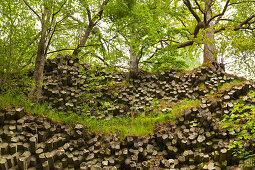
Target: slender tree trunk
[(84, 39), (209, 51), (36, 92), (133, 64)]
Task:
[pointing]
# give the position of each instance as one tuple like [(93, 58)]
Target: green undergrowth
[(242, 121), (141, 124)]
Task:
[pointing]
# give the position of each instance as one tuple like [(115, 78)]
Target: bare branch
[(235, 28), (32, 10), (184, 25), (100, 13), (141, 53), (157, 49), (99, 57), (187, 3), (171, 41), (225, 19)]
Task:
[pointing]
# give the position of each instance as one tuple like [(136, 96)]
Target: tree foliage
[(18, 36), (134, 34)]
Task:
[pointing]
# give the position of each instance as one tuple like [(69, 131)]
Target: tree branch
[(225, 19), (75, 19), (247, 20), (185, 44), (98, 16), (141, 53), (240, 26), (32, 10), (187, 3), (235, 3), (54, 29), (184, 25), (66, 49), (219, 15), (97, 56), (199, 7), (157, 49), (60, 8), (89, 15)]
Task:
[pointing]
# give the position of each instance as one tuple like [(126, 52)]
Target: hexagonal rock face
[(194, 142), (71, 84)]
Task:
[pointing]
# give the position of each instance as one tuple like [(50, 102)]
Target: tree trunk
[(133, 64), (84, 39), (210, 51), (36, 92)]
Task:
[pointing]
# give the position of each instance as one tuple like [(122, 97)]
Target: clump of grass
[(201, 86), (10, 100), (122, 126), (184, 105), (229, 85)]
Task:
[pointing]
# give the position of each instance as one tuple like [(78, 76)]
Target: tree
[(239, 52), (212, 18), (49, 19), (141, 28), (15, 27), (94, 15)]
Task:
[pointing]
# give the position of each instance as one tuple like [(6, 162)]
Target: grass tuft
[(229, 85)]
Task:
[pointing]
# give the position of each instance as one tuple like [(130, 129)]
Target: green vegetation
[(129, 34), (230, 84), (242, 120), (138, 125), (184, 105)]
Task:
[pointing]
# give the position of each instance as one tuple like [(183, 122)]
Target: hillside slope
[(186, 110)]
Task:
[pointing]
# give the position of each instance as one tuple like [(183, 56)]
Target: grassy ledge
[(140, 125)]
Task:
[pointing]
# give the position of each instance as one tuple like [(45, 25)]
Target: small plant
[(106, 105), (155, 103)]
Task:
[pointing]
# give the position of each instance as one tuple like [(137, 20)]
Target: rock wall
[(195, 141), (69, 88)]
